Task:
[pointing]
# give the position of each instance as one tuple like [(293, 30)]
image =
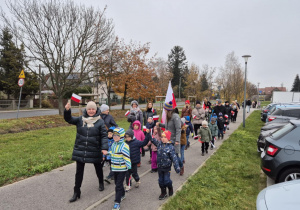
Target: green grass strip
[(33, 152), (231, 178)]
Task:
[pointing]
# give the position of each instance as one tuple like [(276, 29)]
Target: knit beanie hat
[(198, 102), (119, 131), (168, 106), (111, 129), (187, 102), (91, 105), (129, 133), (220, 114), (187, 118), (204, 122), (104, 107), (219, 101), (168, 134), (134, 102)]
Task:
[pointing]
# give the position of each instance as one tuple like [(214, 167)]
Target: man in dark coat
[(108, 119), (219, 108), (91, 139)]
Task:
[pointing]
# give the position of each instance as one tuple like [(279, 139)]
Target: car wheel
[(289, 175)]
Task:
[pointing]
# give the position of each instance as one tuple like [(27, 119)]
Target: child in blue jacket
[(107, 158), (165, 156), (189, 130)]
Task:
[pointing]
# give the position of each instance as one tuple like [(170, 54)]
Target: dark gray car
[(284, 114), (280, 159)]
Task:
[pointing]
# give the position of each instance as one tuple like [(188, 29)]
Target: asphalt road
[(53, 189), (42, 112)]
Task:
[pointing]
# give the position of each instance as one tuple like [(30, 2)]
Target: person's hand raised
[(68, 106)]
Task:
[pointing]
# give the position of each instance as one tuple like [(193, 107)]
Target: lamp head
[(246, 57)]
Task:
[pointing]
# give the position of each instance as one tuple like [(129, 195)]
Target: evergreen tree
[(12, 61), (178, 66), (296, 84), (203, 82)]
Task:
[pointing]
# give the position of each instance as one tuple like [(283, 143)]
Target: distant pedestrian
[(108, 119), (165, 157), (205, 137), (157, 136), (198, 116), (219, 108), (213, 130), (220, 124), (183, 140), (189, 130), (150, 112), (207, 104), (248, 105), (135, 114), (228, 110), (234, 111), (91, 140), (139, 135), (186, 110)]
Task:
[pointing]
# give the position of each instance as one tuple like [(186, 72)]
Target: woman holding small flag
[(198, 117), (91, 140), (150, 112)]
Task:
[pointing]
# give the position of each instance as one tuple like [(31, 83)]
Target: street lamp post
[(244, 110)]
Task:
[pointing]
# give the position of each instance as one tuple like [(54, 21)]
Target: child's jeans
[(164, 179), (119, 190), (213, 140), (154, 160), (182, 147), (187, 140), (133, 172), (220, 133)]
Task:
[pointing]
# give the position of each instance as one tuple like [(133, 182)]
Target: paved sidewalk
[(52, 190)]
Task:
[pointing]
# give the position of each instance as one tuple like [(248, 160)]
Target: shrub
[(46, 104)]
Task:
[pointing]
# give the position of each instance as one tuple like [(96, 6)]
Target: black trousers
[(196, 127), (206, 145), (119, 189), (80, 171), (134, 173)]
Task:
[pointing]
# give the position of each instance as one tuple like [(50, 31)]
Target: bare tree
[(61, 35)]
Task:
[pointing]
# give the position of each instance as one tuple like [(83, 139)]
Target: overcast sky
[(268, 30)]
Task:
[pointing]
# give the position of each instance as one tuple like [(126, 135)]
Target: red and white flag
[(76, 98), (194, 116), (153, 110), (155, 117), (127, 113), (169, 97), (144, 128)]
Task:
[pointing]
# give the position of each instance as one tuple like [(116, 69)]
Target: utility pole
[(40, 81), (258, 104)]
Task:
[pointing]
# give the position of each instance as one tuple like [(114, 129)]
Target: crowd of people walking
[(99, 140)]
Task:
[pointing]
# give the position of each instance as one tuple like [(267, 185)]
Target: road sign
[(22, 75), (21, 82), (260, 92)]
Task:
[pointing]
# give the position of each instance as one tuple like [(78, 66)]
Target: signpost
[(21, 82)]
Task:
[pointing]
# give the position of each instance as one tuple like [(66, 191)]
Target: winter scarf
[(90, 121)]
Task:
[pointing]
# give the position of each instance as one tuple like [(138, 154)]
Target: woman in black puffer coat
[(91, 139)]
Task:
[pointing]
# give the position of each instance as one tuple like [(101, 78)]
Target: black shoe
[(75, 196), (202, 153), (108, 180), (206, 151), (154, 170), (170, 190), (101, 187), (163, 194)]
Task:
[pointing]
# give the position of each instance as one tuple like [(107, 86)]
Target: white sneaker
[(127, 188), (137, 184)]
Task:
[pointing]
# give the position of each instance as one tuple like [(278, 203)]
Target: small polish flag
[(200, 140), (194, 116), (195, 137), (144, 128), (153, 110), (155, 117), (127, 113), (212, 144), (76, 98), (226, 116)]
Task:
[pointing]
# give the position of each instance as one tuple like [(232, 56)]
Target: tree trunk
[(60, 106), (124, 98)]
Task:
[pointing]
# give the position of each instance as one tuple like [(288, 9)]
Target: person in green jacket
[(204, 136), (213, 130)]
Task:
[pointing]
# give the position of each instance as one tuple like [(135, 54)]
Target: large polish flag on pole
[(169, 97)]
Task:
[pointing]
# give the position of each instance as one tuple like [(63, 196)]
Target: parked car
[(264, 112), (261, 141), (284, 114), (279, 196), (280, 106), (280, 159), (273, 125)]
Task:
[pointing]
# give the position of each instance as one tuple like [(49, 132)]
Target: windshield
[(282, 131), (277, 112)]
